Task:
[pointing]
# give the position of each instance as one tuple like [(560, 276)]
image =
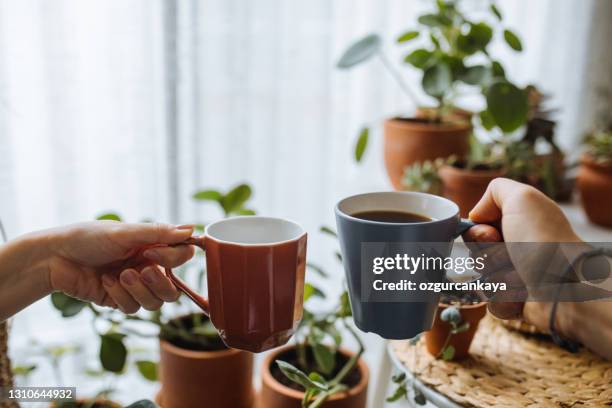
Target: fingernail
[(185, 227), (152, 255), (149, 276), (128, 277), (108, 280)]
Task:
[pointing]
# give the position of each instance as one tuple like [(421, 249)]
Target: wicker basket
[(510, 369)]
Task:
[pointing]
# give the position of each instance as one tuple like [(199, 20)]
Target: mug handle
[(464, 225), (199, 300)]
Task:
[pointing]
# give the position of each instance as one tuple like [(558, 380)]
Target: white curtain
[(134, 105)]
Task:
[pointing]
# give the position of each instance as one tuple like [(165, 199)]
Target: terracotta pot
[(465, 187), (454, 115), (595, 186), (436, 337), (408, 141), (276, 395), (220, 379)]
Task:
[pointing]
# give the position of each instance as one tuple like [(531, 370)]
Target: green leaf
[(209, 195), (109, 216), (487, 120), (419, 58), (245, 211), (513, 41), (434, 20), (400, 392), (437, 80), (23, 371), (236, 198), (475, 75), (398, 378), (507, 105), (435, 41), (69, 306), (317, 269), (498, 70), (362, 143), (327, 230), (142, 404), (477, 38), (324, 357), (297, 376), (360, 51), (148, 369), (113, 353), (496, 11), (345, 305), (407, 36), (448, 353), (311, 290)]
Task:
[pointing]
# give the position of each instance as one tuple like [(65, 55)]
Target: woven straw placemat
[(509, 369), (6, 377)]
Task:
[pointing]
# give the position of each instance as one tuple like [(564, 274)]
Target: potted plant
[(454, 326), (595, 177), (316, 371), (447, 60), (195, 366)]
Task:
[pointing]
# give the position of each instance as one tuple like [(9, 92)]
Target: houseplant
[(195, 365), (316, 371), (454, 326), (595, 177), (451, 43)]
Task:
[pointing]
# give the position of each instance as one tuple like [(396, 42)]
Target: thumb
[(489, 208), (134, 235)]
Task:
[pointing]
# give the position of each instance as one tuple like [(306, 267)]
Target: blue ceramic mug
[(393, 319)]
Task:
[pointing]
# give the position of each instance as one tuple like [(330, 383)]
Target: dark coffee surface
[(400, 217)]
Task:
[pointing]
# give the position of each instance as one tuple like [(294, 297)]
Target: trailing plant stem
[(396, 76)]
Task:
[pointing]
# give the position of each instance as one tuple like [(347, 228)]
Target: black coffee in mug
[(399, 217)]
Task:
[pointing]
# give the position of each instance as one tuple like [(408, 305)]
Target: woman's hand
[(105, 262)]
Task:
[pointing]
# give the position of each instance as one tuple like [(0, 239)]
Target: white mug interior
[(428, 205), (254, 230)]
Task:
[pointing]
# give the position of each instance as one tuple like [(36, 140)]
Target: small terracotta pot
[(193, 379), (454, 115), (408, 141), (465, 187), (436, 337), (595, 186), (276, 395)]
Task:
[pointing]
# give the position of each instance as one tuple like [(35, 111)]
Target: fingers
[(482, 233), (489, 208), (149, 288), (159, 284), (120, 296), (131, 281), (138, 235), (169, 257)]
